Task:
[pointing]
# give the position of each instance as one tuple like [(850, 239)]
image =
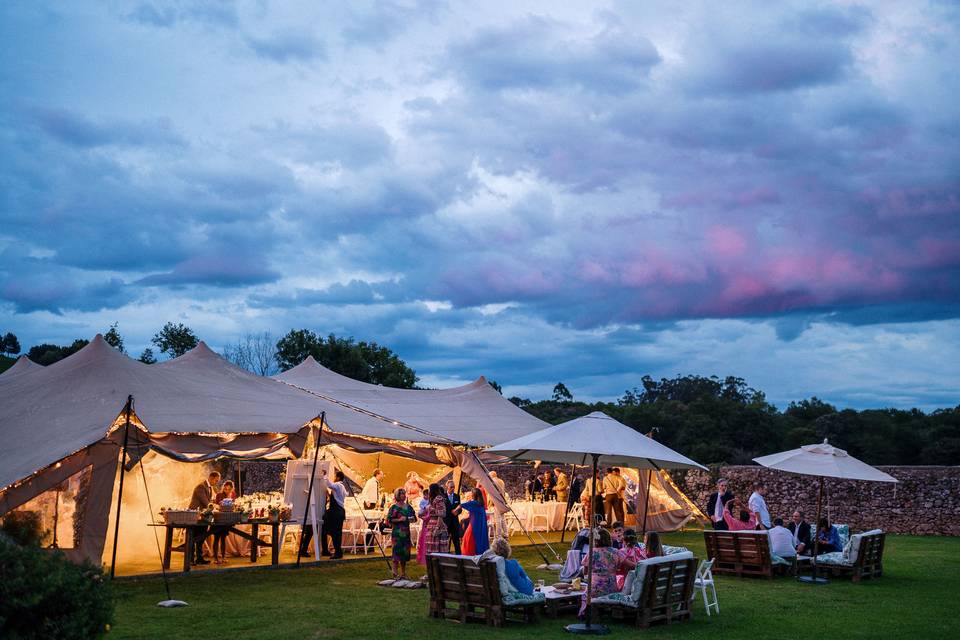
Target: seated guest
[(781, 540), (616, 535), (630, 551), (828, 538), (743, 521), (652, 548), (606, 563), (800, 529), (515, 573)]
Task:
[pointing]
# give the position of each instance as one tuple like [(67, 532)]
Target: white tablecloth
[(549, 514)]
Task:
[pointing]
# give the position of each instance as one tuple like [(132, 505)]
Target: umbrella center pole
[(589, 627)]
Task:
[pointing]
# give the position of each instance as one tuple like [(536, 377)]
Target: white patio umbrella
[(595, 436), (824, 461)]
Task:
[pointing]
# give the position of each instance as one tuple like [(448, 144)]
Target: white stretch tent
[(66, 418), (474, 413), (22, 365)]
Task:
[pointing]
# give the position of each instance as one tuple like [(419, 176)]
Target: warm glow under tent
[(65, 421)]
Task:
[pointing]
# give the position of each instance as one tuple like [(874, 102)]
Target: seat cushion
[(833, 558), (516, 598)]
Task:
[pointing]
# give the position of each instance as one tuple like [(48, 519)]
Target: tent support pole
[(123, 464), (646, 498), (566, 512), (313, 474), (589, 627)]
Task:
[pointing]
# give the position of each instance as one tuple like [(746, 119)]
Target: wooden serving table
[(253, 537)]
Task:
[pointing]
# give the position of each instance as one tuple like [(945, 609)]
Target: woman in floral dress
[(606, 561), (399, 517), (438, 536)]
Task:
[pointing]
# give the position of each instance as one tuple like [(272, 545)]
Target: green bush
[(23, 527), (44, 595)]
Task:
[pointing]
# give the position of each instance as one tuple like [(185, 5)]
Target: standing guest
[(399, 517), (616, 535), (800, 529), (576, 489), (499, 483), (744, 520), (630, 551), (333, 519), (370, 496), (652, 547), (423, 512), (563, 486), (413, 488), (828, 538), (781, 540), (203, 495), (547, 482), (451, 519), (606, 563), (437, 539), (515, 573), (612, 502), (475, 538), (595, 514), (623, 490), (758, 505), (717, 504), (533, 487), (220, 531)]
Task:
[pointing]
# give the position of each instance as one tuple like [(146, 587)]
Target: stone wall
[(926, 501)]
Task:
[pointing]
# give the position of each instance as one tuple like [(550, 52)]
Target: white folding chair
[(703, 582), (575, 517), (540, 517), (512, 523)]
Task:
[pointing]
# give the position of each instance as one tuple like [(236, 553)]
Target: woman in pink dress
[(607, 562), (631, 551), (423, 512), (437, 539), (414, 488)]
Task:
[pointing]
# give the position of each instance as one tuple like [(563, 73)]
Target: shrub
[(23, 527), (44, 595)]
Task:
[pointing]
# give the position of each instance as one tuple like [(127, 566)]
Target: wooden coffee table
[(557, 602)]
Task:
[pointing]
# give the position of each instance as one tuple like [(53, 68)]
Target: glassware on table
[(540, 584)]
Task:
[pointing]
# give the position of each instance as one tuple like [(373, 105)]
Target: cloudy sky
[(586, 192)]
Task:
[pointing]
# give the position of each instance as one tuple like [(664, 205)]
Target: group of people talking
[(727, 512)]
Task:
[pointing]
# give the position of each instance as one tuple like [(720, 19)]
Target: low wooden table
[(196, 529), (557, 602)]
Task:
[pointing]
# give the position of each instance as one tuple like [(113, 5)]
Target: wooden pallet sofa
[(739, 553), (862, 557), (466, 589), (659, 590)]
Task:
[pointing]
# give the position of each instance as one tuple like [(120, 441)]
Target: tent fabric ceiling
[(474, 414)]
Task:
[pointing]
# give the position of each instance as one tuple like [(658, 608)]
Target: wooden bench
[(739, 553), (463, 590), (666, 596), (868, 562)]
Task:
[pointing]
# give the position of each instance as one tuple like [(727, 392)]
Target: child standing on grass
[(399, 517)]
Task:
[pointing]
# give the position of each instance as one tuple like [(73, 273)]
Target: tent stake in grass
[(123, 465), (306, 509)]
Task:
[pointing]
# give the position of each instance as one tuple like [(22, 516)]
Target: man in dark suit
[(203, 495), (717, 502), (800, 529), (453, 511)]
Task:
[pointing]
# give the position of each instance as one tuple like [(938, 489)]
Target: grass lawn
[(916, 598)]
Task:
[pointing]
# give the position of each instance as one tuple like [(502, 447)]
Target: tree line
[(712, 420)]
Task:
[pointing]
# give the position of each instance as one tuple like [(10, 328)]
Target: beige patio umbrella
[(824, 461), (595, 436)]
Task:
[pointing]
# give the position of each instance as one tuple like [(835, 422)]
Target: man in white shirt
[(781, 540), (758, 505), (370, 496), (501, 485)]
